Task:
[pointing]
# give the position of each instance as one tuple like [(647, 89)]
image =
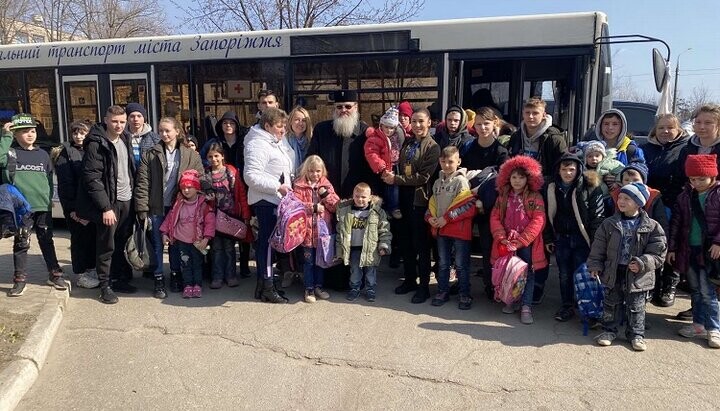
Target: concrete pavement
[(227, 351)]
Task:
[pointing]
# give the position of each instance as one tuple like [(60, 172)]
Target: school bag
[(291, 225), (325, 251), (509, 275), (589, 296)]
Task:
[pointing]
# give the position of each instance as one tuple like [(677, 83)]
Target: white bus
[(196, 78)]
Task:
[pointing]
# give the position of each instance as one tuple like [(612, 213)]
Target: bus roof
[(546, 30)]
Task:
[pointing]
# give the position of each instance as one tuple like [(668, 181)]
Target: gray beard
[(344, 126)]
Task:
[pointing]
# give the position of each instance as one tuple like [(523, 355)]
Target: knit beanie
[(133, 107), (640, 168), (390, 118), (701, 165), (638, 192), (594, 147), (191, 138), (405, 109), (190, 178)]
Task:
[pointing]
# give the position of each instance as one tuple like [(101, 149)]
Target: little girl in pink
[(190, 224)]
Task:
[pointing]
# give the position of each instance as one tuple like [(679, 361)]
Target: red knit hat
[(190, 178), (405, 108), (701, 165)]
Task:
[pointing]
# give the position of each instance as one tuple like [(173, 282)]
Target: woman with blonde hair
[(300, 128)]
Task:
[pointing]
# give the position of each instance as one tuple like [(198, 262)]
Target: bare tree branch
[(241, 15)]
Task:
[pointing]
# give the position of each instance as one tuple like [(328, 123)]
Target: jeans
[(110, 246), (618, 301), (191, 260), (159, 247), (462, 263), (223, 257), (704, 299), (525, 254), (357, 272), (392, 198), (571, 251), (267, 218), (313, 274), (42, 225)]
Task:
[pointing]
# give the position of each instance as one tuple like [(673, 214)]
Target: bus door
[(82, 98), (504, 83), (87, 96)]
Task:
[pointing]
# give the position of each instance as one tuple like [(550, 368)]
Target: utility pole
[(677, 74)]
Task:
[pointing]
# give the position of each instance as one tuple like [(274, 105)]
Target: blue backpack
[(589, 296)]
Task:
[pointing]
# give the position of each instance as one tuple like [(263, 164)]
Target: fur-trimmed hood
[(531, 167)]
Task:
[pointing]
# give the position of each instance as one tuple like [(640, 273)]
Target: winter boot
[(160, 291), (270, 295), (176, 282), (667, 298)]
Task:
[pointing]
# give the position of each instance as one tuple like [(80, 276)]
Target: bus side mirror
[(660, 69)]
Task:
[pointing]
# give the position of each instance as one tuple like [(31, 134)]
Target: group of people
[(637, 216)]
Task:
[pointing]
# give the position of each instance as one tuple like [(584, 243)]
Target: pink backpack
[(509, 274), (291, 225)]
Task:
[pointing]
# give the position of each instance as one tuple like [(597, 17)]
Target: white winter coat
[(267, 162)]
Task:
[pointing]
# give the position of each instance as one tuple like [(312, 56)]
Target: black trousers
[(82, 245), (42, 225), (416, 246), (110, 246)]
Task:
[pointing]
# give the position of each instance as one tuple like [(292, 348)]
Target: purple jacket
[(680, 225)]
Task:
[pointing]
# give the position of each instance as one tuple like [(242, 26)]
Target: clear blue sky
[(682, 24)]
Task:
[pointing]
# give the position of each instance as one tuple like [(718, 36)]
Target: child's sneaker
[(440, 299), (692, 330), (233, 282), (321, 294), (713, 338), (197, 292), (215, 284), (508, 309), (465, 302), (564, 314), (638, 344), (187, 292), (17, 290), (353, 294), (57, 281), (397, 214), (370, 295), (526, 316), (310, 296), (605, 339)]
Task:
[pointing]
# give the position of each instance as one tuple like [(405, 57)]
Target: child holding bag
[(517, 221), (315, 191)]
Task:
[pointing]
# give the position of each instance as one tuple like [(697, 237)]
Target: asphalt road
[(227, 351)]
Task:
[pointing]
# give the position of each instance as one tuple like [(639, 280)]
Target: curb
[(20, 375)]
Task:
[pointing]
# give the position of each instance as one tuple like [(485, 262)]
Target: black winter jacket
[(97, 189), (328, 145), (68, 169), (552, 147), (663, 161)]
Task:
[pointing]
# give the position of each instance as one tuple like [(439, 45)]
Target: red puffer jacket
[(531, 236), (378, 150), (309, 196)]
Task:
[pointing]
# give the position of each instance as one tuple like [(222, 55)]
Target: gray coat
[(648, 249)]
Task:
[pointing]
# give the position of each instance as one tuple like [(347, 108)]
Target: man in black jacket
[(104, 197), (340, 142)]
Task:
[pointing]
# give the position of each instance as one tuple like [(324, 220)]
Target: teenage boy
[(105, 196), (28, 168), (450, 215), (142, 136), (536, 137), (575, 209)]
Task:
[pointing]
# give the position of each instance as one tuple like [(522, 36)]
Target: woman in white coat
[(268, 173)]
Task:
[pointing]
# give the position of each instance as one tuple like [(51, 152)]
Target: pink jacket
[(306, 194), (377, 150), (204, 221)]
